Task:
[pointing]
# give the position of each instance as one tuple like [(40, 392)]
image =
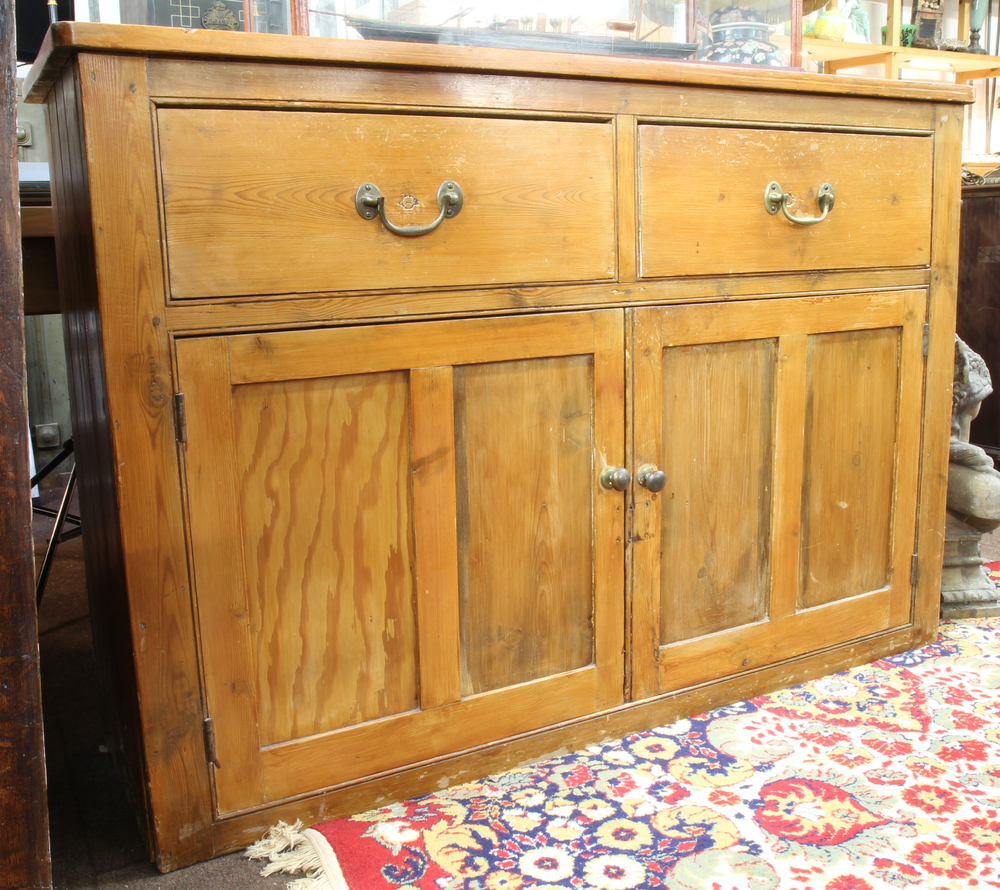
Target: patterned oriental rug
[(883, 777)]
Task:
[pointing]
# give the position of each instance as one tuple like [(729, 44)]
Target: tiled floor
[(96, 843)]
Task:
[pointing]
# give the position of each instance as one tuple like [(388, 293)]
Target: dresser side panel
[(135, 442), (78, 295)]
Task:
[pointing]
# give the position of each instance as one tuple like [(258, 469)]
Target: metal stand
[(61, 516)]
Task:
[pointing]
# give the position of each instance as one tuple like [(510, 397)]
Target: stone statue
[(973, 498)]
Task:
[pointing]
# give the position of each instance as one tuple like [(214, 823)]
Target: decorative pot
[(830, 25), (739, 36)]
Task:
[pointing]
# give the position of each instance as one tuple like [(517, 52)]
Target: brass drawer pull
[(370, 202), (775, 199)]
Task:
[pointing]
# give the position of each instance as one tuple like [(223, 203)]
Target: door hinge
[(927, 337), (211, 755), (180, 418), (914, 570)]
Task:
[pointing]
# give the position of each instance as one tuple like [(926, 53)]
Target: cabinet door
[(392, 532), (789, 434)]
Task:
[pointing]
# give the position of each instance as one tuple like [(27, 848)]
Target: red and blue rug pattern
[(882, 777), (994, 569)]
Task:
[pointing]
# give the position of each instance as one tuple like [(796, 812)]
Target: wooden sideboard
[(352, 496)]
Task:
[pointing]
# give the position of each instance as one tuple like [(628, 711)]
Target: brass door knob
[(651, 479), (616, 478)]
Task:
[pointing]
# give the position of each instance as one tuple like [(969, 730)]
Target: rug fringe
[(293, 850)]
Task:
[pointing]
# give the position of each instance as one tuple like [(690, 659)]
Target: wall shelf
[(838, 56)]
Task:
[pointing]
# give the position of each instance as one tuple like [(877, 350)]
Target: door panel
[(524, 578), (393, 540), (787, 432), (851, 422), (325, 535), (719, 518)]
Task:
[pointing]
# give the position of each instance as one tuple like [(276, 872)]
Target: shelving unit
[(838, 56)]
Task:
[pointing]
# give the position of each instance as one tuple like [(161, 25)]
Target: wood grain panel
[(851, 427), (939, 374), (426, 778), (298, 312), (695, 197), (301, 354), (912, 392), (755, 319), (432, 422), (324, 500), (610, 513), (420, 736), (107, 584), (134, 420), (525, 465), (25, 857), (245, 216), (749, 647), (223, 601), (790, 412), (718, 434), (646, 333), (252, 80), (299, 51)]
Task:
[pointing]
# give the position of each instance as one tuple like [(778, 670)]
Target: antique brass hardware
[(616, 478), (775, 199), (651, 479), (370, 203)]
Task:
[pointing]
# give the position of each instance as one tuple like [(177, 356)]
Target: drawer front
[(263, 202), (702, 209)]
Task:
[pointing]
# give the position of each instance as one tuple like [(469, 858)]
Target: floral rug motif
[(994, 569), (882, 777)]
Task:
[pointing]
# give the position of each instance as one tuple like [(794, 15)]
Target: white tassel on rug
[(295, 850)]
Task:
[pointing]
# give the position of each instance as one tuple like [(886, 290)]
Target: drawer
[(702, 209), (263, 201)]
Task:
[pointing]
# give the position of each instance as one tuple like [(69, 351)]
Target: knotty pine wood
[(432, 421), (526, 603), (263, 343), (695, 195), (324, 514), (78, 292), (122, 399), (849, 467), (687, 536), (530, 747), (245, 217), (939, 371), (69, 37), (25, 859), (327, 309), (715, 511), (326, 563)]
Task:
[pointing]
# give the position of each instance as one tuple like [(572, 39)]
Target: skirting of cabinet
[(239, 831)]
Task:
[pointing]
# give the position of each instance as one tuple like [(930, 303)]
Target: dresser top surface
[(67, 38)]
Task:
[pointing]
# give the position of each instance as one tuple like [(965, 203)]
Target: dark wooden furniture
[(978, 322), (24, 844), (612, 445), (38, 261)]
